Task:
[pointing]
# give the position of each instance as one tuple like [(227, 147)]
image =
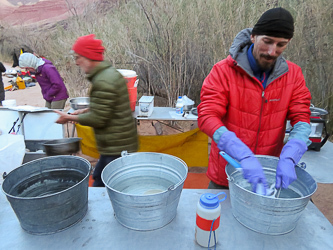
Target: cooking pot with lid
[(318, 111)]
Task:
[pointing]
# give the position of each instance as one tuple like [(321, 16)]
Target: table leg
[(73, 130)]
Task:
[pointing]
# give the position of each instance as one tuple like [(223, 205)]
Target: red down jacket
[(232, 97)]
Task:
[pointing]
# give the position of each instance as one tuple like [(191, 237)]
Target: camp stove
[(318, 128)]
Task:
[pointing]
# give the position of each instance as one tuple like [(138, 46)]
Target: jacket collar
[(100, 67)]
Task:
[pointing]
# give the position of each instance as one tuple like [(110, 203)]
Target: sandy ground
[(323, 198), (30, 96)]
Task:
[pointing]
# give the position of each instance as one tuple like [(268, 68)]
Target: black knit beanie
[(276, 22)]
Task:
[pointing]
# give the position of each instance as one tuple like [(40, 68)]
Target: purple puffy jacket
[(51, 83)]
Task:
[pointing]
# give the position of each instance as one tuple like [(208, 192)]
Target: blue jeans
[(102, 162)]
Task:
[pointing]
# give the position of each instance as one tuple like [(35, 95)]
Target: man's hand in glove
[(291, 153), (252, 169)]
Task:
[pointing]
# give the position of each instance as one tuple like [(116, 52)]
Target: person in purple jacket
[(53, 88)]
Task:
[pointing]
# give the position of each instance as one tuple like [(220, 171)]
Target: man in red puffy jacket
[(247, 98)]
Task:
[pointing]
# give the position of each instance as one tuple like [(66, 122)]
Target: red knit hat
[(89, 47)]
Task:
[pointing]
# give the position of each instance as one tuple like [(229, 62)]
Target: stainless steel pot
[(34, 150), (187, 107), (49, 194), (144, 188), (266, 214), (65, 146), (318, 111), (79, 102)]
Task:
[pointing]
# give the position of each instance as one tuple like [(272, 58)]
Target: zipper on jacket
[(263, 100)]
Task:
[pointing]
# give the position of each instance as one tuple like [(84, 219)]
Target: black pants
[(213, 185), (102, 162), (2, 90)]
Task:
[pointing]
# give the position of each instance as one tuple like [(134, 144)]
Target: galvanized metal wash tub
[(267, 214), (144, 188), (49, 194)]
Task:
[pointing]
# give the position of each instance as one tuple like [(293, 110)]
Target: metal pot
[(34, 150), (49, 194), (144, 188), (79, 102), (267, 214), (187, 107), (65, 146), (318, 112)]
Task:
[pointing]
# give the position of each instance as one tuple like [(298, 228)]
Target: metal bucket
[(265, 214), (49, 194), (144, 188)]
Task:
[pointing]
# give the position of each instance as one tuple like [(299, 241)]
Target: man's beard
[(263, 65)]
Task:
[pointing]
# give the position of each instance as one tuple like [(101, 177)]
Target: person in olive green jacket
[(109, 111)]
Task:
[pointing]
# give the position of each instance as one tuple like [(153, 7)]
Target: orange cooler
[(132, 83)]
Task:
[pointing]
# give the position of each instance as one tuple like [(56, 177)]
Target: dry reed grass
[(172, 45)]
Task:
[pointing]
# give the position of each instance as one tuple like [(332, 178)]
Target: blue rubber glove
[(252, 169), (291, 153)]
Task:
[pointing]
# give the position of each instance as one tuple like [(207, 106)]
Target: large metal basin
[(267, 214), (49, 194), (144, 188)]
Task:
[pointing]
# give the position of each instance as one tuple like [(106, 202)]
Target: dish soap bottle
[(208, 219), (179, 106)]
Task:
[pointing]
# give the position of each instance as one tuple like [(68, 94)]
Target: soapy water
[(283, 193), (47, 183), (289, 194), (143, 185), (153, 191)]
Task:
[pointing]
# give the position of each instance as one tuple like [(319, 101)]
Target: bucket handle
[(171, 188), (230, 178), (225, 196), (124, 153), (301, 165)]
